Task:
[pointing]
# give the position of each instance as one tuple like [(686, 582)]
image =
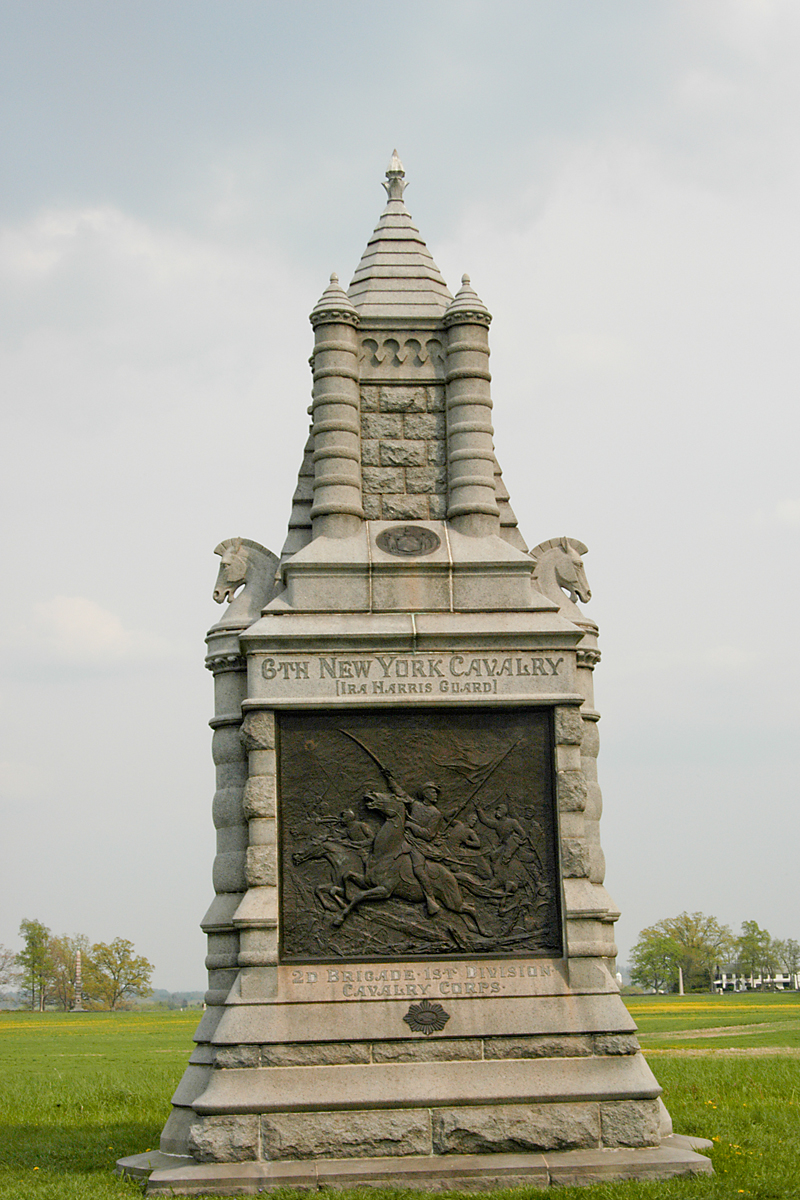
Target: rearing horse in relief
[(390, 870), (347, 866)]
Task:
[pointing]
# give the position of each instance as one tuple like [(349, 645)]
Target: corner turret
[(472, 502), (337, 510)]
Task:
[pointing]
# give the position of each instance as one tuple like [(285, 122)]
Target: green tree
[(691, 943), (64, 955), (787, 953), (755, 952), (8, 961), (655, 960), (113, 974), (36, 962), (705, 944)]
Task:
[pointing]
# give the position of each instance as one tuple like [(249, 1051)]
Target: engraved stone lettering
[(456, 675), (476, 978)]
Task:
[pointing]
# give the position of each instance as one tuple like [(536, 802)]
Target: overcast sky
[(179, 179)]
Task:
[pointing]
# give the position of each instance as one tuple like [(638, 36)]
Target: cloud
[(722, 660), (786, 512), (101, 305), (22, 780), (705, 90), (728, 659), (132, 353), (76, 632)]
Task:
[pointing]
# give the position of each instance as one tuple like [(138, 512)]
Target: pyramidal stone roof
[(396, 280), (397, 277)]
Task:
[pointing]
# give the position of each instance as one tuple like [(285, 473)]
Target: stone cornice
[(466, 317), (335, 316), (215, 663)]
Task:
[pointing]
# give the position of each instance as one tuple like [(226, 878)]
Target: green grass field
[(78, 1091), (742, 1022)]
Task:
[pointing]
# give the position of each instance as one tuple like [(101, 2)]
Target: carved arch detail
[(416, 355)]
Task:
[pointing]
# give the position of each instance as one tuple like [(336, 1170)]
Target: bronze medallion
[(428, 1017), (417, 833), (408, 541)]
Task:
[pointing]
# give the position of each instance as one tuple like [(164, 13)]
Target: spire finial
[(395, 178)]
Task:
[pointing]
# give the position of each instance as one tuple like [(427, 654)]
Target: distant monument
[(77, 1005), (410, 950)]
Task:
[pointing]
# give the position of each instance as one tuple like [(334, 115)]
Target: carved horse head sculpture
[(232, 569), (248, 566), (559, 568)]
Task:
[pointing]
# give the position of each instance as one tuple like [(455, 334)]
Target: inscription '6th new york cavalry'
[(433, 675)]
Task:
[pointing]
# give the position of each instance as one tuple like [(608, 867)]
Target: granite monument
[(410, 948)]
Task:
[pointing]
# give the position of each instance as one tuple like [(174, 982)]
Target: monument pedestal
[(411, 950)]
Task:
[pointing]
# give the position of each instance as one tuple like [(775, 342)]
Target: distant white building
[(731, 978)]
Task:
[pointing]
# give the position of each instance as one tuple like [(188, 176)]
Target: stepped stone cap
[(397, 277), (333, 305), (467, 306)]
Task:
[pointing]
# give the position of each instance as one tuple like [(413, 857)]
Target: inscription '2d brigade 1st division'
[(410, 948)]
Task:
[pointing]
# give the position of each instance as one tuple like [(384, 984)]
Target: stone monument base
[(174, 1175)]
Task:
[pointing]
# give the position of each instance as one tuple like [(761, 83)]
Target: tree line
[(46, 971), (695, 948)]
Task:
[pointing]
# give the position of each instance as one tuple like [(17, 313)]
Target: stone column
[(588, 657), (571, 791), (77, 1005), (337, 510), (472, 505), (257, 915), (230, 758), (591, 913)]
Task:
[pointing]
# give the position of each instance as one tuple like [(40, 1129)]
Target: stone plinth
[(674, 1157)]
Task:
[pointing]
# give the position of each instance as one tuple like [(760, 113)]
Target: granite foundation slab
[(429, 1084), (674, 1157), (514, 1015)]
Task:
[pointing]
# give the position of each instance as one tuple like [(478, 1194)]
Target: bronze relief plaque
[(417, 833)]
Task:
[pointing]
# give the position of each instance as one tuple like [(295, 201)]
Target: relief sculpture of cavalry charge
[(424, 833)]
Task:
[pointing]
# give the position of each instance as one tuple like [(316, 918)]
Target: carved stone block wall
[(403, 452), (599, 1119), (468, 1129)]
